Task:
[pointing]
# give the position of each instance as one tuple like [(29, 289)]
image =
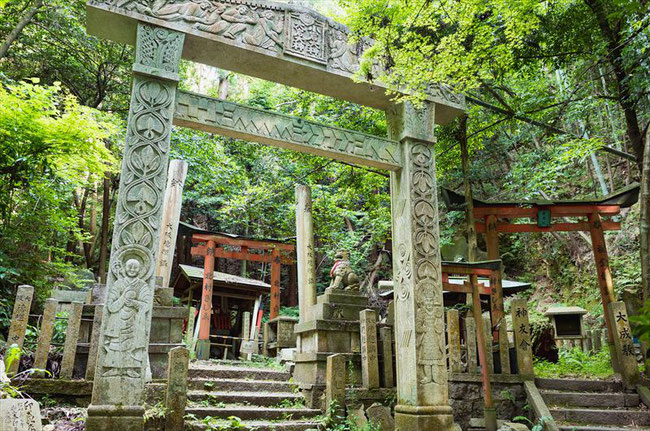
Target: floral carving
[(306, 37), (125, 329)]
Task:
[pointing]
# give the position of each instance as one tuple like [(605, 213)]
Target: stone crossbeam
[(252, 124), (279, 42)]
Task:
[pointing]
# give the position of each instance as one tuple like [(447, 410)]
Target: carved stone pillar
[(422, 392), (118, 391)]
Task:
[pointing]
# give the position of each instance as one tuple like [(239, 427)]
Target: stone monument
[(296, 46)]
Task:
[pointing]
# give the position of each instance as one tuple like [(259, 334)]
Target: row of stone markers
[(18, 328), (462, 351)]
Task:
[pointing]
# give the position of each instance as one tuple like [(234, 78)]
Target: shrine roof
[(555, 310), (625, 198), (186, 228), (195, 273)]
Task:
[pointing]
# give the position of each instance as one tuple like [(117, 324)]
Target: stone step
[(572, 427), (580, 385), (589, 399), (252, 398), (602, 416), (241, 385), (209, 370), (258, 425), (253, 413)]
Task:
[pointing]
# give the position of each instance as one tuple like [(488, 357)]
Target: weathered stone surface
[(45, 335), (189, 332), (281, 42), (305, 252), (369, 358), (176, 396), (71, 339), (487, 332), (335, 384), (163, 297), (390, 313), (419, 312), (504, 348), (453, 337), (521, 328), (624, 342), (586, 342), (381, 416), (172, 201), (596, 340), (386, 336), (470, 340), (20, 415), (357, 414), (94, 342), (257, 125), (118, 392), (19, 319)]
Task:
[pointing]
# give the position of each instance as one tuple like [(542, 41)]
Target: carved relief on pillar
[(426, 256), (127, 314), (276, 29)]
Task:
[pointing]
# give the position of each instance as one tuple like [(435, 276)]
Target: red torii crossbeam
[(211, 246), (493, 218)]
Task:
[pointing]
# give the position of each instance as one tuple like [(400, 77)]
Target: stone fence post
[(176, 396), (369, 359), (624, 344), (19, 321), (523, 345), (335, 384)]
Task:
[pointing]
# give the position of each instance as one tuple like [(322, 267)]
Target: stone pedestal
[(166, 334), (280, 334), (334, 329), (422, 391)]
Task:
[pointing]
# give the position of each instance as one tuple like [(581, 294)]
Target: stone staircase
[(263, 399), (593, 405)]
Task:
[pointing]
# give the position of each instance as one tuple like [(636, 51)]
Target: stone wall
[(465, 395)]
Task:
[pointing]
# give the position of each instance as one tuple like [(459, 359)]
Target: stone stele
[(20, 415)]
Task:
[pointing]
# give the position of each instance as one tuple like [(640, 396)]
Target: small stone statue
[(343, 277)]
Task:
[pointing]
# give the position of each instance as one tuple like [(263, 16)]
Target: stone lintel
[(322, 63), (257, 125), (327, 325), (156, 73), (284, 319), (322, 357)]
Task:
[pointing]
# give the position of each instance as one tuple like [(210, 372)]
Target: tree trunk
[(13, 35), (644, 225), (612, 34), (472, 248), (106, 215)]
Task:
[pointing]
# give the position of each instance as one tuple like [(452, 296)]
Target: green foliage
[(576, 363), (534, 426), (50, 146), (334, 422), (155, 413), (12, 355), (641, 322)]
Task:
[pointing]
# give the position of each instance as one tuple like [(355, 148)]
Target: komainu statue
[(343, 277)]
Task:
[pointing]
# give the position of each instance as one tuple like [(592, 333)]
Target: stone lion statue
[(343, 277)]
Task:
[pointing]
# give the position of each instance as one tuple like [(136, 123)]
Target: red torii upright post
[(494, 218), (214, 248)]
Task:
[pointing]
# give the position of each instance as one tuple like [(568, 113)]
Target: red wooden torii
[(212, 245), (493, 218)]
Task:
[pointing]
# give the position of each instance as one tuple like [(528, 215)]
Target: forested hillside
[(558, 108)]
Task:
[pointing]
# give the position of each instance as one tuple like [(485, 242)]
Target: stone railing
[(81, 338)]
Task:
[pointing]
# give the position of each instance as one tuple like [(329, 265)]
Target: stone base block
[(335, 296), (327, 311), (111, 418), (424, 418), (203, 349)]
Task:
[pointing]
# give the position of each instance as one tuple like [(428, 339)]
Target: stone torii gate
[(295, 46)]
